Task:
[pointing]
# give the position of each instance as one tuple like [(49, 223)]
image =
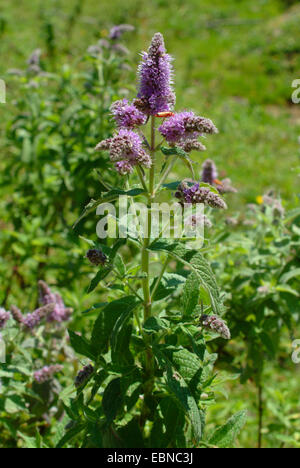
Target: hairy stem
[(166, 173), (160, 277), (152, 170), (149, 361)]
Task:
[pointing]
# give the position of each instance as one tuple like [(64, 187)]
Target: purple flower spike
[(126, 114), (185, 126), (32, 320), (155, 78), (126, 150), (4, 317), (46, 373), (215, 324), (117, 31), (16, 314), (60, 312), (194, 194), (209, 172)]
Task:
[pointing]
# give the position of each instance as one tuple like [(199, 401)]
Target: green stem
[(128, 284), (152, 170), (149, 360), (165, 174), (141, 177), (160, 277)]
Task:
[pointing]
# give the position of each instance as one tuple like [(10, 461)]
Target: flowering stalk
[(131, 152)]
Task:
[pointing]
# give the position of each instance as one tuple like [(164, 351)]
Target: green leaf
[(104, 271), (176, 151), (181, 391), (199, 265), (172, 186), (131, 436), (120, 266), (70, 435), (173, 419), (112, 399), (30, 442), (290, 275), (106, 320), (120, 340), (285, 288), (100, 276), (155, 324), (81, 345), (224, 436), (191, 293), (170, 283)]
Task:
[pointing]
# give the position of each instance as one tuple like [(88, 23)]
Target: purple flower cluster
[(16, 314), (270, 200), (186, 126), (4, 317), (210, 176), (117, 31), (126, 151), (46, 373), (193, 193), (209, 172), (60, 312), (196, 221), (215, 324), (155, 78), (33, 320), (127, 115)]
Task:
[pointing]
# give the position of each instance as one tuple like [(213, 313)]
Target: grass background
[(235, 62)]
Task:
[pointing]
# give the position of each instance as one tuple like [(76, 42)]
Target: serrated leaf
[(120, 339), (155, 324), (70, 435), (290, 275), (191, 293), (197, 263), (225, 436), (170, 283), (181, 391), (106, 320), (119, 265), (173, 419), (112, 399), (100, 276), (30, 442), (81, 345)]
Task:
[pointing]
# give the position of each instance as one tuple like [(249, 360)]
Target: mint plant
[(149, 376)]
